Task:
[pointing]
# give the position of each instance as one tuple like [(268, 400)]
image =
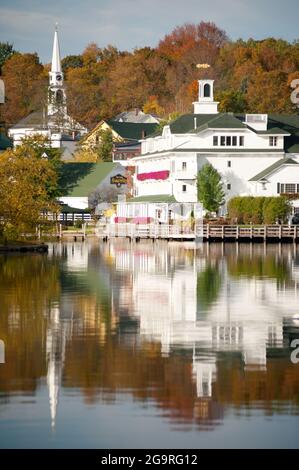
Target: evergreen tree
[(209, 188), (105, 146)]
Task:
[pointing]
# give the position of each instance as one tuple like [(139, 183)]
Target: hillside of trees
[(251, 76)]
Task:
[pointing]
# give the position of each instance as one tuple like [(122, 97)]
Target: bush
[(259, 210), (276, 209)]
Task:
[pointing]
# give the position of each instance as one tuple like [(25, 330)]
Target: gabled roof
[(185, 123), (5, 142), (270, 131), (137, 116), (80, 179), (132, 130), (36, 119), (225, 121), (270, 169)]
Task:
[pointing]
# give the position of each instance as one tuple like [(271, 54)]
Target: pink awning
[(153, 175)]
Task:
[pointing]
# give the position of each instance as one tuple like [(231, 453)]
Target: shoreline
[(24, 248)]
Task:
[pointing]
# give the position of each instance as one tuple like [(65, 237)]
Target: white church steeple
[(57, 99)]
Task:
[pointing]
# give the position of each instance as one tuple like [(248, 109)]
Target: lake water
[(151, 345)]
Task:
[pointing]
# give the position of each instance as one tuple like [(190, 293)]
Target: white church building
[(53, 121), (256, 154)]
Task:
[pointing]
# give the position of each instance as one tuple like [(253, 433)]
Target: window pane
[(215, 140), (290, 188), (228, 140), (222, 140), (241, 141), (234, 140)]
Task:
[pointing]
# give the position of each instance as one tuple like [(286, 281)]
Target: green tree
[(6, 51), (106, 145), (276, 209), (71, 62), (209, 188), (231, 101)]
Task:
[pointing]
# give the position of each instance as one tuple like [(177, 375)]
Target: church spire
[(56, 62), (57, 98)]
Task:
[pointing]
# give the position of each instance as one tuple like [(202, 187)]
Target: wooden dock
[(200, 232)]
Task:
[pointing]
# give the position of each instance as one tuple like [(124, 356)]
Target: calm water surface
[(150, 345)]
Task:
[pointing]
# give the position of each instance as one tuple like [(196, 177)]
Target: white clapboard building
[(256, 154)]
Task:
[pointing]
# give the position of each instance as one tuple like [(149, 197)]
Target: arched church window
[(207, 91)]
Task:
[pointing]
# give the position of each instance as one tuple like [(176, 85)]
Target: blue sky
[(127, 24)]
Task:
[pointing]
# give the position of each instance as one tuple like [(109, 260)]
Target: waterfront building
[(52, 121), (256, 154)]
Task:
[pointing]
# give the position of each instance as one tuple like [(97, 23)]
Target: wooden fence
[(205, 232)]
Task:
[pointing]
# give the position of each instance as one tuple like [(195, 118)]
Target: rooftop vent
[(257, 121)]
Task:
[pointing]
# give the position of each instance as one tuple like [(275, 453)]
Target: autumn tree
[(24, 184), (136, 77), (39, 147), (25, 83), (88, 100), (210, 188)]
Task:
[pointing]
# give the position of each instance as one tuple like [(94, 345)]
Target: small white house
[(256, 154)]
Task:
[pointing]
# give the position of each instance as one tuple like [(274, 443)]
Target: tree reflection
[(208, 285)]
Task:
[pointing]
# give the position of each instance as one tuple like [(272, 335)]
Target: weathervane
[(203, 66)]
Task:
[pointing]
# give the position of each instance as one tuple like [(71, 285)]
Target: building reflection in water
[(194, 331)]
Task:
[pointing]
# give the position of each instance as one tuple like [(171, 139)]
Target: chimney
[(195, 122), (143, 134)]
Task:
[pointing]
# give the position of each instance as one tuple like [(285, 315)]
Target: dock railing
[(207, 231)]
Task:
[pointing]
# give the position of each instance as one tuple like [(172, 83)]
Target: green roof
[(270, 169), (5, 142), (133, 130), (154, 198), (278, 124), (271, 131), (185, 123), (80, 179)]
